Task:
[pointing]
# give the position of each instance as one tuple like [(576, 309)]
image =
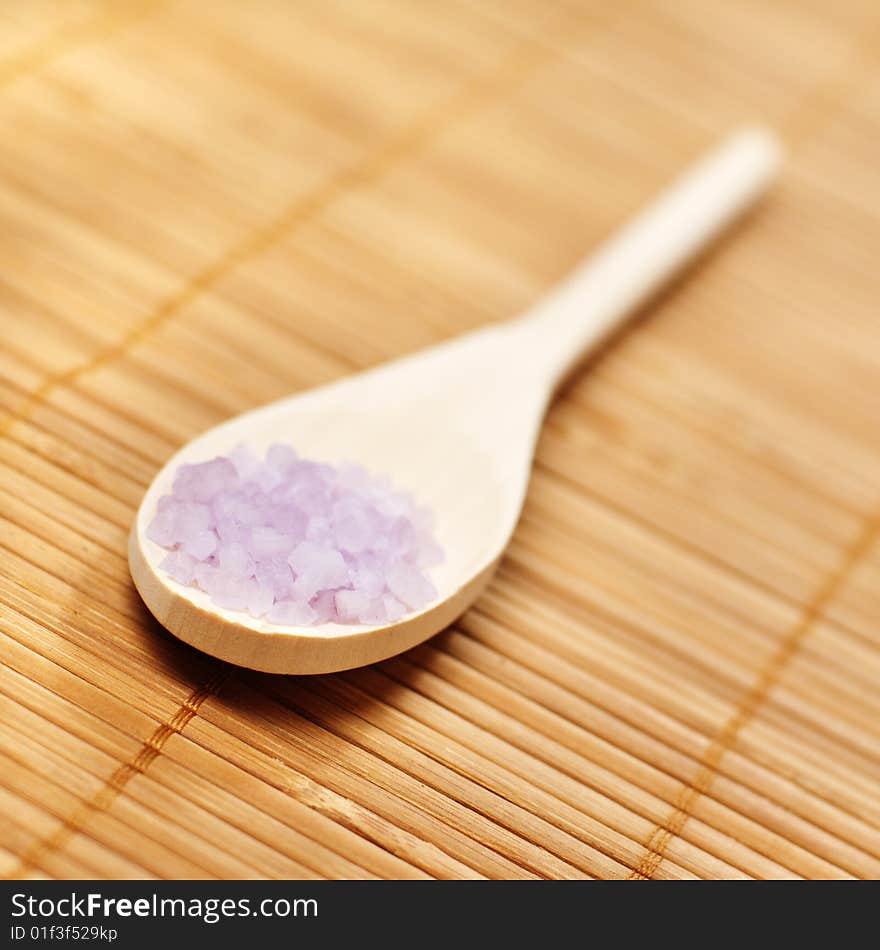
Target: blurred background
[(206, 206)]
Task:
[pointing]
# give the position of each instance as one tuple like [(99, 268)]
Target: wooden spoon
[(455, 425)]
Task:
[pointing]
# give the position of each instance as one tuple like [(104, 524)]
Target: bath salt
[(297, 542)]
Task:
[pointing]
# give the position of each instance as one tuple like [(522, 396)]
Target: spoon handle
[(635, 262)]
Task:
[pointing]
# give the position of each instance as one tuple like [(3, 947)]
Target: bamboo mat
[(206, 206)]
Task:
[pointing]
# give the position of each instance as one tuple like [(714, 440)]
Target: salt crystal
[(430, 554), (202, 482), (296, 542), (205, 576), (422, 519), (409, 584), (324, 605), (402, 537), (260, 598), (191, 518), (394, 609), (350, 604), (231, 590), (319, 529), (373, 613), (292, 613), (325, 565), (367, 573), (266, 543), (353, 477), (289, 519), (268, 478), (305, 587), (234, 558), (281, 457), (245, 463), (200, 544), (354, 525), (180, 566), (161, 529), (231, 529), (277, 576)]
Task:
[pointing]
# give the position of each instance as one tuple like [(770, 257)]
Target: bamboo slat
[(675, 674)]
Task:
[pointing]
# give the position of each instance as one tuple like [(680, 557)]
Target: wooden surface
[(204, 206)]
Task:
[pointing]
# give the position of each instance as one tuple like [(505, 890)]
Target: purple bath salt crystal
[(394, 609), (190, 518), (374, 613), (180, 566), (350, 604), (296, 542), (321, 567), (292, 613), (205, 576), (234, 558), (161, 529), (230, 590), (429, 554), (203, 481), (324, 605), (354, 525), (289, 519), (260, 598), (402, 538), (266, 543), (246, 464), (354, 478), (422, 519), (231, 529), (319, 530), (277, 576), (409, 584), (200, 544), (281, 457), (267, 479), (367, 573)]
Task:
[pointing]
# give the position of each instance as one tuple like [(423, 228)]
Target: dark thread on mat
[(113, 17), (658, 842), (519, 62), (152, 747)]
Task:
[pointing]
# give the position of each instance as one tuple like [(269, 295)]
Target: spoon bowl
[(429, 419), (455, 425)]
